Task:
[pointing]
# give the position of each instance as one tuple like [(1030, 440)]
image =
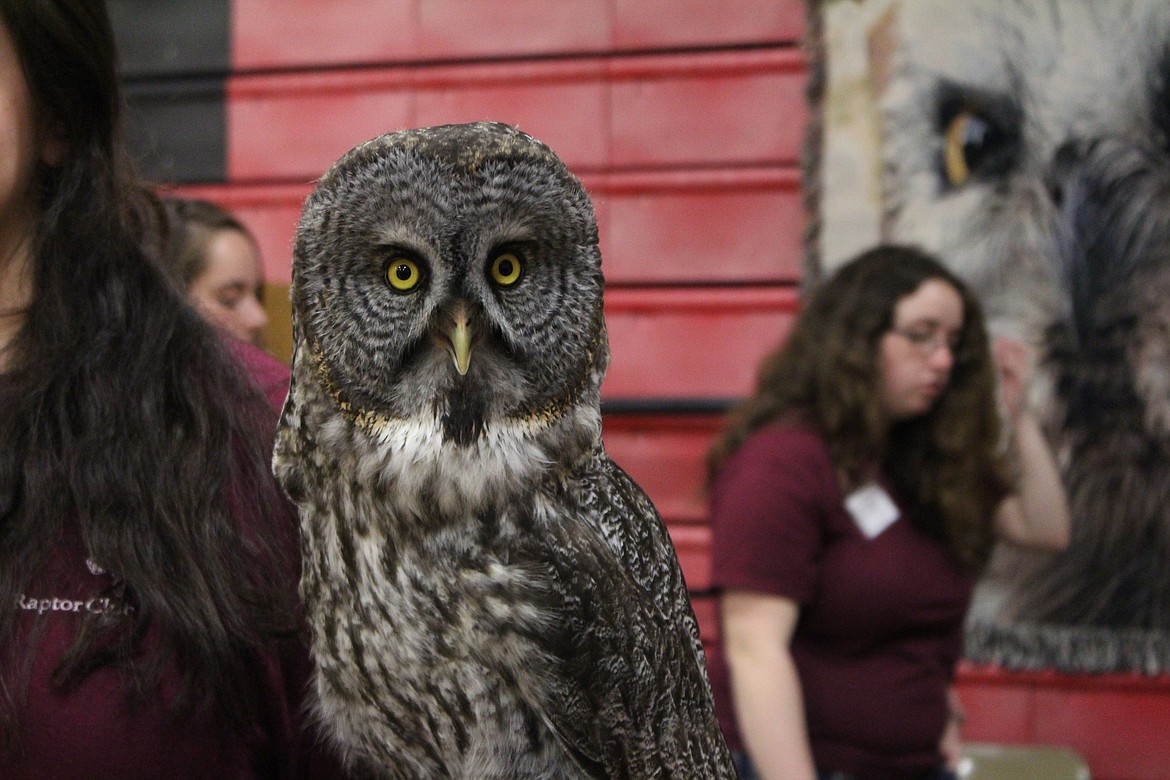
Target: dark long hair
[(125, 419), (945, 463)]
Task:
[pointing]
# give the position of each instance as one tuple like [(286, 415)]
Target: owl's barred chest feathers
[(423, 576)]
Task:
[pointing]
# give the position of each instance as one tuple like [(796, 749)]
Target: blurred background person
[(216, 260), (856, 496)]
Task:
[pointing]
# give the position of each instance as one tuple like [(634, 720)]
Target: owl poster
[(1027, 144)]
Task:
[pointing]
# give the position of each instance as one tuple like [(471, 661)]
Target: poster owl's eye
[(506, 269), (967, 138), (403, 274), (974, 145)]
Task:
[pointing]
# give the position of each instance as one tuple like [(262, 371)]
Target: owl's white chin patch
[(509, 456)]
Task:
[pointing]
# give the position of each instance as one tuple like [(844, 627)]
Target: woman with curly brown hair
[(855, 497)]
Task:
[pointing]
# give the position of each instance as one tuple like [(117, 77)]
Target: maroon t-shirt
[(94, 733), (880, 626)]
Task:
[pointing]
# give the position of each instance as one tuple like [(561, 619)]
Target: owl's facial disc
[(458, 333)]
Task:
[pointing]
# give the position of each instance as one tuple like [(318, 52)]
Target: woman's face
[(916, 355), (227, 293), (20, 150)]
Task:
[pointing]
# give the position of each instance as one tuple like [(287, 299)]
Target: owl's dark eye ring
[(403, 274), (977, 143), (506, 269)]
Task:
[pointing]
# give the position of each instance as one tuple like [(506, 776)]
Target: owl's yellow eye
[(403, 274), (506, 269)]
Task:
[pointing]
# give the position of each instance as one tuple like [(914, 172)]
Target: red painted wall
[(1119, 724)]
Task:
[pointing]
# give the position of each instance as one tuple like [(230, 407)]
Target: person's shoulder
[(791, 447), (790, 436), (270, 375)]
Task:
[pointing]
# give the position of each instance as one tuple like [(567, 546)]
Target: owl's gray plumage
[(489, 595), (1055, 203)]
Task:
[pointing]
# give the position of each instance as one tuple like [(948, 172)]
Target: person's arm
[(769, 706), (1036, 513)]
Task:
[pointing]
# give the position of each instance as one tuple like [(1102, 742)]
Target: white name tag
[(872, 509)]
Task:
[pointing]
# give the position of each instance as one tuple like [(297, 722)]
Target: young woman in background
[(214, 258), (855, 497)]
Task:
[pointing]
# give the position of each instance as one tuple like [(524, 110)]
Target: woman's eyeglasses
[(927, 342)]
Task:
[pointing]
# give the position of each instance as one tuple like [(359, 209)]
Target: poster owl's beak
[(459, 336)]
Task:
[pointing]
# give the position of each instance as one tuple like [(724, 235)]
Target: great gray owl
[(1027, 142), (490, 596)]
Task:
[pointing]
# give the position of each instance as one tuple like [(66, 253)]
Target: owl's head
[(452, 274)]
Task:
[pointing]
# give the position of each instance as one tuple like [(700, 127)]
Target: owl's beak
[(459, 336)]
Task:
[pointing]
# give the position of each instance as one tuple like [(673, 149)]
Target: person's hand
[(951, 744)]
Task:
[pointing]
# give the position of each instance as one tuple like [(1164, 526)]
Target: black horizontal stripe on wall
[(646, 406), (176, 130), (160, 38), (175, 56)]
